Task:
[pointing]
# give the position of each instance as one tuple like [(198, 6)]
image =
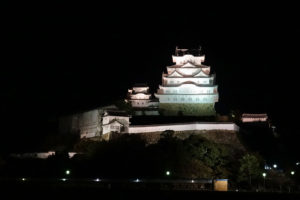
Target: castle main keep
[(188, 88)]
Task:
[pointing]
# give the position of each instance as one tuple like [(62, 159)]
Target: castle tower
[(141, 100), (188, 88), (139, 96)]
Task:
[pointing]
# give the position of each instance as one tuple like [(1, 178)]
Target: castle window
[(114, 127)]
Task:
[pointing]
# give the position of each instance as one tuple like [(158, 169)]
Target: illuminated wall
[(182, 127)]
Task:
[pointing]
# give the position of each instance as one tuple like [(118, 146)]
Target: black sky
[(61, 58)]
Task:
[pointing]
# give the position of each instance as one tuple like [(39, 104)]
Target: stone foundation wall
[(187, 109), (218, 136)]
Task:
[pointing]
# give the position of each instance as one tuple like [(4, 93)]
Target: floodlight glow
[(292, 172), (275, 166), (97, 180), (23, 179), (68, 172), (297, 163), (192, 181), (264, 175), (137, 180), (168, 173), (63, 179)]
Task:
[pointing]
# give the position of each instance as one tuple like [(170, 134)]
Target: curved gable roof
[(175, 73)]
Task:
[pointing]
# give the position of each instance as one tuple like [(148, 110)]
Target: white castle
[(188, 88)]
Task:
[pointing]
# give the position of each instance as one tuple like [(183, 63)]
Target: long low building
[(105, 120), (246, 117), (183, 127)]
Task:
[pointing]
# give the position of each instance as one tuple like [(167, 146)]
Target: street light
[(68, 172), (264, 175), (168, 173), (274, 166), (292, 172), (137, 180)]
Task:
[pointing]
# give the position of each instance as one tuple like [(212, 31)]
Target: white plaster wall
[(188, 71), (183, 127), (198, 71), (180, 60), (88, 118), (176, 81), (140, 96), (140, 89), (263, 119), (140, 103), (190, 89), (187, 98)]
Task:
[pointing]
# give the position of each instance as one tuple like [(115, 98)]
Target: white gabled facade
[(114, 122)]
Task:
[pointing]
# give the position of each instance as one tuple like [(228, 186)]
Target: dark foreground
[(80, 190)]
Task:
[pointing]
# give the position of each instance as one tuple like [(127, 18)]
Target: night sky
[(63, 58)]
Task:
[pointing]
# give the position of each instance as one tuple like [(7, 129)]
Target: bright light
[(297, 163), (274, 166), (68, 172), (23, 179), (63, 179), (264, 175), (137, 180), (192, 181), (292, 172), (97, 180), (168, 173)]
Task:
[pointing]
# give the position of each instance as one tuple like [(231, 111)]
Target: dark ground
[(59, 190)]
